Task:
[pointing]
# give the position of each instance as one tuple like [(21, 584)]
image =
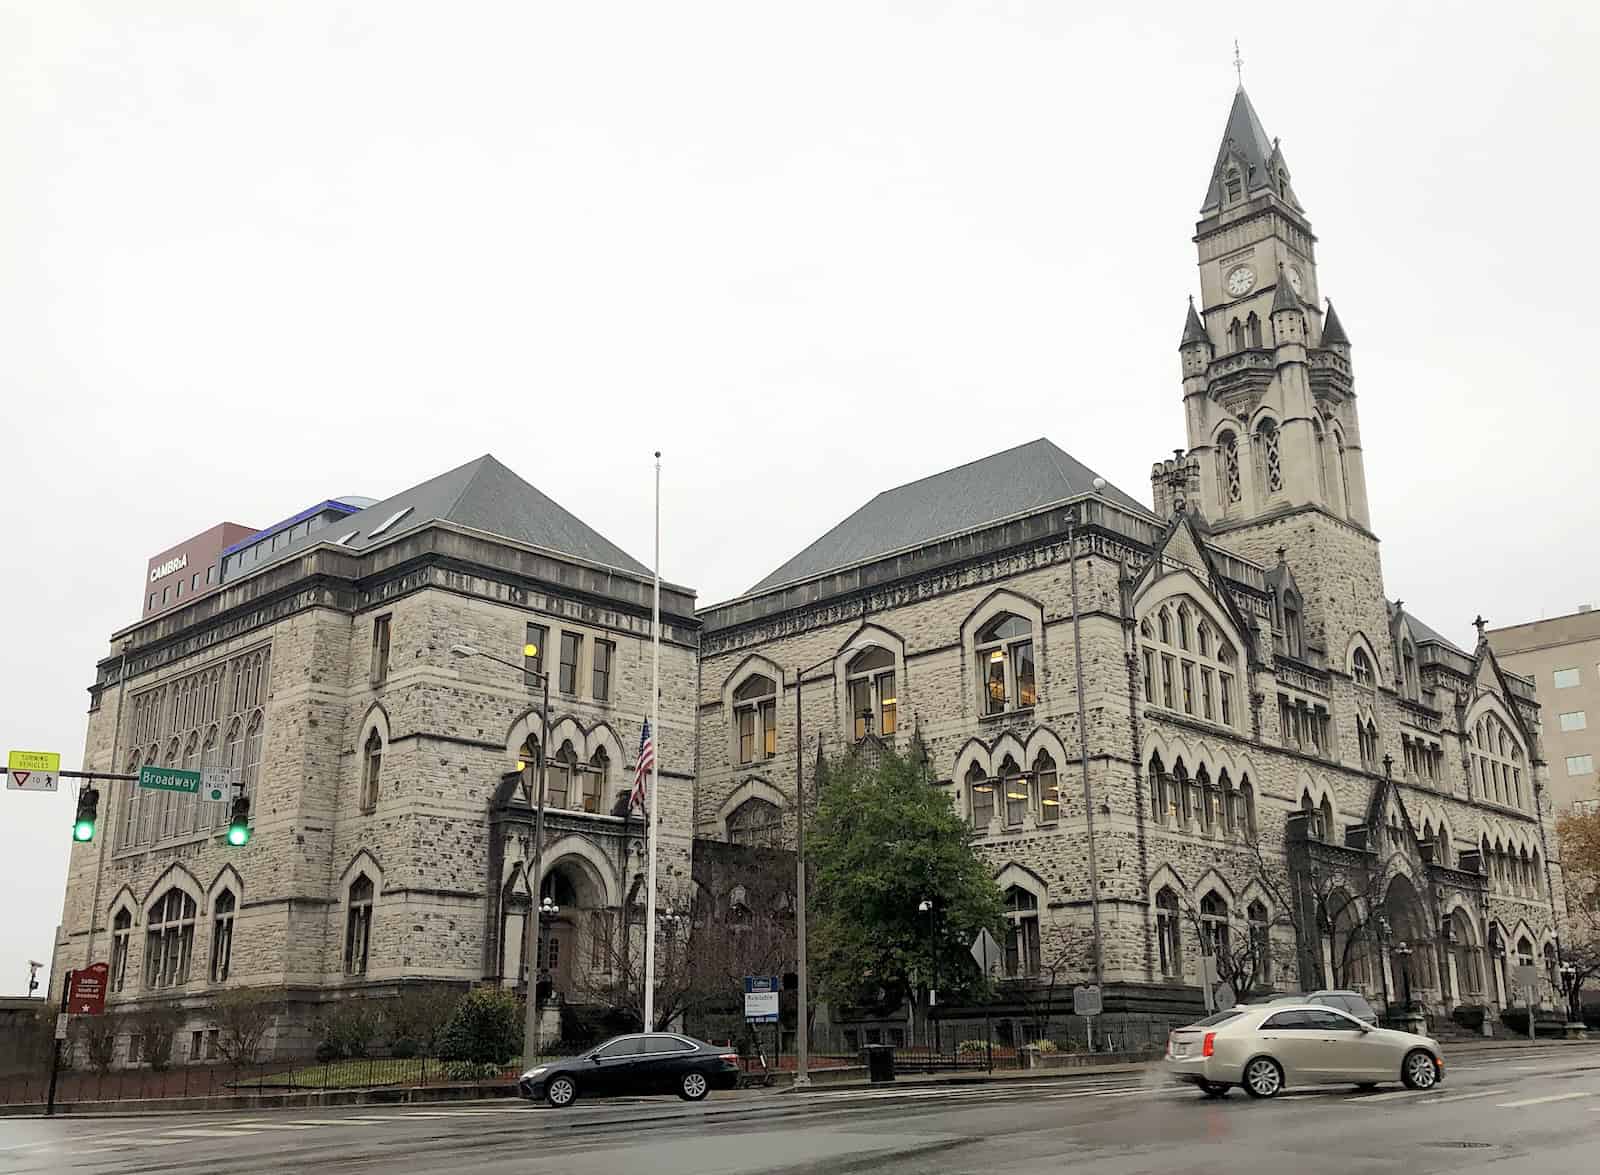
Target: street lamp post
[(927, 906), (1073, 521), (1383, 962), (1403, 949), (531, 935)]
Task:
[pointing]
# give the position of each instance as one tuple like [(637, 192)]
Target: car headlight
[(539, 1072)]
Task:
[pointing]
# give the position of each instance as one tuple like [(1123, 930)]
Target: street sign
[(32, 770), (1086, 1000), (61, 1026), (86, 990), (214, 782), (169, 779), (761, 999), (986, 952), (1525, 975)]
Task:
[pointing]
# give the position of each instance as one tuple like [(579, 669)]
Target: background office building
[(1562, 655)]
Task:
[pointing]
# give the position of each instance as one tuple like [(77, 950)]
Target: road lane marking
[(1385, 1097), (199, 1132), (1461, 1097), (1539, 1101)]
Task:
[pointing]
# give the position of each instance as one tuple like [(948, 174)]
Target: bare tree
[(242, 1016), (98, 1035)]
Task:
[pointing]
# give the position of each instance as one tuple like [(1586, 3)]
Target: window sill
[(1020, 712)]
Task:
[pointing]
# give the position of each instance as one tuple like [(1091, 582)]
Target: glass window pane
[(1022, 653)]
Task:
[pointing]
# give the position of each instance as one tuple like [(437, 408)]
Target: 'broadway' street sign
[(169, 779)]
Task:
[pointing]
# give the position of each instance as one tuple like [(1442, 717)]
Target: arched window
[(1361, 669), (169, 940), (1208, 798), (1252, 330), (1214, 923), (1047, 786), (1195, 674), (755, 714), (1260, 944), (1329, 833), (1294, 636), (595, 779), (756, 822), (1158, 790), (1181, 784), (558, 785), (1247, 801), (1499, 763), (1235, 336), (1322, 457), (251, 768), (358, 926), (1408, 668), (528, 765), (1006, 666), (222, 911), (1233, 184), (982, 792), (1269, 463), (1016, 792), (121, 933), (1229, 488), (371, 770), (1230, 802), (1022, 933), (869, 677), (212, 814), (1169, 943)]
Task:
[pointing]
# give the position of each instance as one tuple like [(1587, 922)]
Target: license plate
[(1181, 1050)]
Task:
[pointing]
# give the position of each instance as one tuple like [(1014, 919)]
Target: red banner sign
[(86, 993)]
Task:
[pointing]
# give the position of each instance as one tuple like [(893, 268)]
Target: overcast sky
[(253, 255)]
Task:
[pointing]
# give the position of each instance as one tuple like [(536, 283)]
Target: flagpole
[(655, 777)]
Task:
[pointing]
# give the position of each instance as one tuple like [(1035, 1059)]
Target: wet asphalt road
[(1530, 1110)]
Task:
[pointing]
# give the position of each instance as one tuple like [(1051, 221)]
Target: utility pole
[(1073, 521)]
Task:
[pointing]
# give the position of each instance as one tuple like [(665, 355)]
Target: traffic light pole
[(55, 1049)]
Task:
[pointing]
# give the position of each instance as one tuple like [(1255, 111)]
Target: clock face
[(1240, 280), (1296, 282)]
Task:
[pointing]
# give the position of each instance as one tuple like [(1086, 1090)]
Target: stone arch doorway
[(1466, 974), (1408, 925), (576, 951)]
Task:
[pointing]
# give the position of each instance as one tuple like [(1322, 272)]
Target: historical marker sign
[(169, 779), (1086, 1000), (32, 770), (86, 991)]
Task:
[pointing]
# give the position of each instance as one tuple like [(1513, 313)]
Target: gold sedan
[(1266, 1049)]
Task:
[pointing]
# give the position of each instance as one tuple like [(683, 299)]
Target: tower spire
[(1194, 331), (1238, 63)]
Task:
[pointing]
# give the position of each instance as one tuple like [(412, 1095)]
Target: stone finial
[(1480, 624)]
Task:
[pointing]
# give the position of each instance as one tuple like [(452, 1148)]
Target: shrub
[(969, 1047), (347, 1029), (486, 1028), (155, 1029), (1469, 1016), (471, 1070), (1515, 1019), (416, 1017), (1044, 1046), (242, 1016), (98, 1036)]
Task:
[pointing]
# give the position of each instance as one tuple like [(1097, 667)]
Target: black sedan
[(647, 1062)]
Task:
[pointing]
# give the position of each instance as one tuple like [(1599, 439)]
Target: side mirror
[(595, 1057), (1365, 1027)]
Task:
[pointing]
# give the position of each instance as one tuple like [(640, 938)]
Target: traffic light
[(239, 823), (88, 811)]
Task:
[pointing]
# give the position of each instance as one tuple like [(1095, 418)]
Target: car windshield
[(1218, 1018)]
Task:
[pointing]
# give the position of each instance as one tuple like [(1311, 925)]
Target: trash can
[(879, 1059)]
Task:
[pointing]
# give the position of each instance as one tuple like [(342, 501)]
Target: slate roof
[(1333, 329), (1002, 485), (1249, 142), (1425, 634), (1284, 298), (1194, 331), (483, 495)]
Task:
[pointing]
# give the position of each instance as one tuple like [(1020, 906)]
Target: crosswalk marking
[(1462, 1097), (1539, 1101)]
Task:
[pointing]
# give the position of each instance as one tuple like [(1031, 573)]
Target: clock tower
[(1269, 398)]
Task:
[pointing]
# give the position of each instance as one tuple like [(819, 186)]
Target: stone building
[(1272, 753), (1240, 663), (382, 766)]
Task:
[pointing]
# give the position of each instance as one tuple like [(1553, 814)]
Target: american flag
[(647, 760)]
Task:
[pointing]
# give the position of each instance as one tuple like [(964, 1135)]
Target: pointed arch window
[(756, 822), (169, 940), (371, 770), (1214, 923), (1015, 789), (358, 926), (1158, 790), (981, 788), (1322, 457), (558, 785), (1269, 461), (1189, 665), (1006, 665), (1260, 942), (595, 780), (1247, 803), (755, 711), (1361, 669), (1022, 933), (1235, 336), (869, 678), (1169, 942), (1229, 488), (1047, 786), (1252, 330), (222, 911), (121, 934)]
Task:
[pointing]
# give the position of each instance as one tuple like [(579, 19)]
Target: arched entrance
[(1465, 980), (575, 953), (1410, 954)]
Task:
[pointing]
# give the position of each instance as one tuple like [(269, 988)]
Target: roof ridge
[(471, 481), (953, 468)]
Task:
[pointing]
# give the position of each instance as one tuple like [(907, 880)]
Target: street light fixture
[(926, 906), (1403, 950), (531, 940)]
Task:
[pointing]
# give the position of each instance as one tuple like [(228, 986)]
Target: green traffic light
[(83, 830), (238, 834)]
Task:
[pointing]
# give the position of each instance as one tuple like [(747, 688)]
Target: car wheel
[(693, 1086), (560, 1092), (1419, 1070), (1213, 1089), (1263, 1077)]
